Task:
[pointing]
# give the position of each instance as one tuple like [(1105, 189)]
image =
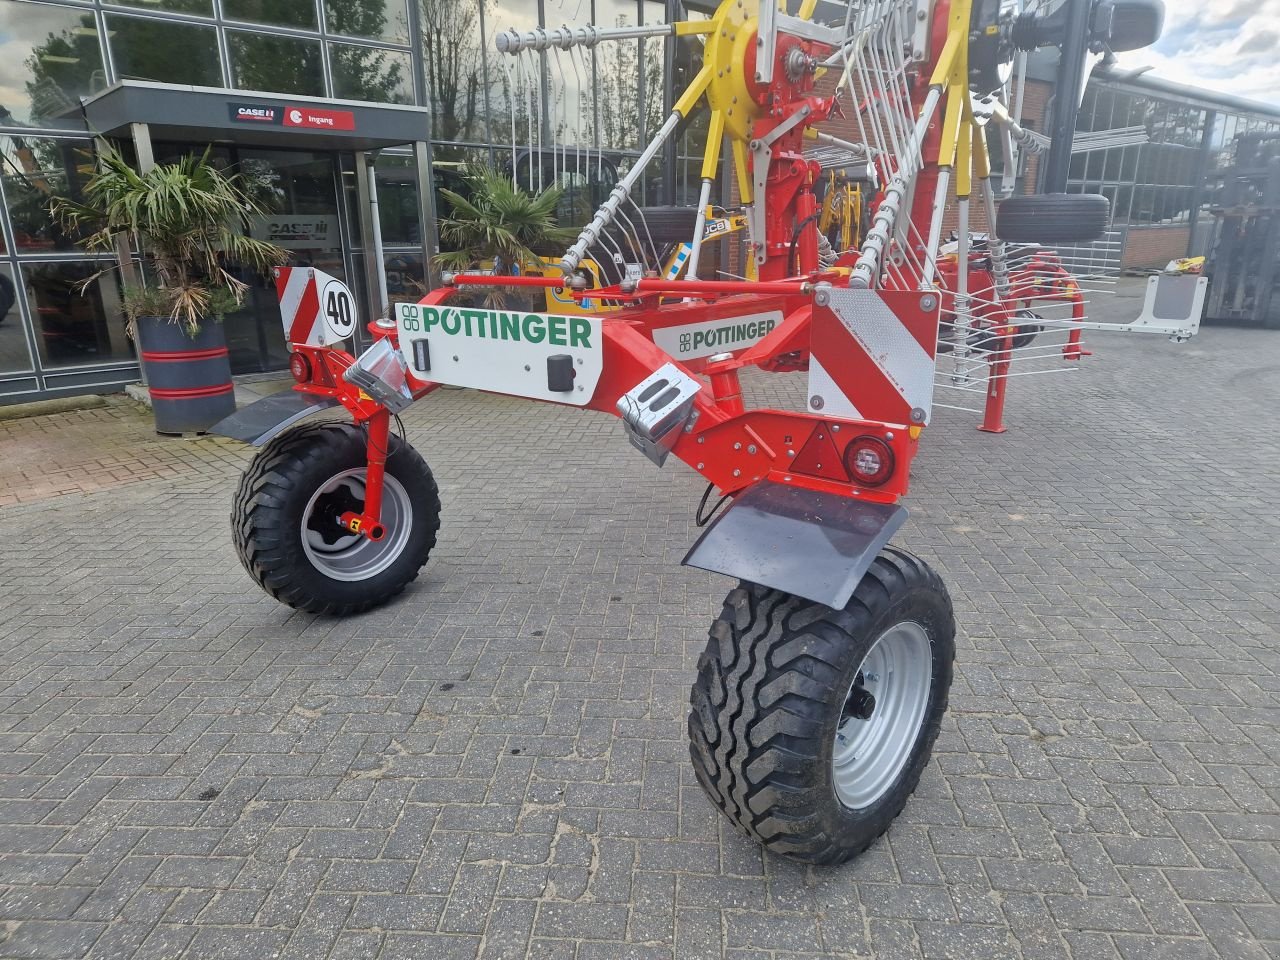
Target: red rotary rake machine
[(825, 678)]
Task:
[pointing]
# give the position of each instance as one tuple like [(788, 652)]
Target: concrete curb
[(40, 408)]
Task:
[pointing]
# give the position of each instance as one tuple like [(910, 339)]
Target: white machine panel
[(503, 351)]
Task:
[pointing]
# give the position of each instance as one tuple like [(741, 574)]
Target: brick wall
[(1155, 246)]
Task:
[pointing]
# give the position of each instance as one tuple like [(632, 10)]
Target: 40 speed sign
[(503, 351)]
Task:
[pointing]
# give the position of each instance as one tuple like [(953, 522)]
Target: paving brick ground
[(494, 766)]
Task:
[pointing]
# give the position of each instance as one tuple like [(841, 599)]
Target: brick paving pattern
[(495, 765)]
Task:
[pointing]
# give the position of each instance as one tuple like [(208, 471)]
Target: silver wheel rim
[(870, 754), (348, 556)]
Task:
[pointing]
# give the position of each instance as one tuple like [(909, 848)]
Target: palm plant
[(190, 217), (499, 223)]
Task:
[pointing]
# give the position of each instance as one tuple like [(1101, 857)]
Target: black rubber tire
[(1053, 218), (769, 695), (1025, 332), (266, 518), (665, 226), (1135, 24)]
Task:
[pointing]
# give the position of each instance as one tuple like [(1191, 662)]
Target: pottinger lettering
[(728, 334), (501, 325)]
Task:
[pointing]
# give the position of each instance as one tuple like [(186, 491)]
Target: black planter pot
[(189, 377)]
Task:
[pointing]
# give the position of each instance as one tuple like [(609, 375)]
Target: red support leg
[(1072, 349), (997, 383), (369, 522)]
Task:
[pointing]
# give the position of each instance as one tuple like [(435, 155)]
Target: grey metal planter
[(189, 378)]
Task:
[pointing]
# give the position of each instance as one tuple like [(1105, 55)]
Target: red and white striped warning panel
[(873, 355), (316, 309)]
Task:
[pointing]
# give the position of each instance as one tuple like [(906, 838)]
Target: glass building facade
[(57, 338), (1162, 191)]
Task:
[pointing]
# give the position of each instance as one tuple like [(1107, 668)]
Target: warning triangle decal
[(819, 456)]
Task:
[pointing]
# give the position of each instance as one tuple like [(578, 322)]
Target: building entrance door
[(300, 190)]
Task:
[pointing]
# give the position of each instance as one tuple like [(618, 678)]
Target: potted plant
[(190, 220), (497, 227)]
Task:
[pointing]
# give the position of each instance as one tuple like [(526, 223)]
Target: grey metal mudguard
[(813, 544), (265, 418)]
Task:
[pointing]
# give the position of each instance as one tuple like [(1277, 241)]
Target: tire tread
[(762, 691), (267, 486)]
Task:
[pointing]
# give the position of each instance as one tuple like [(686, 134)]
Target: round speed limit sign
[(338, 308)]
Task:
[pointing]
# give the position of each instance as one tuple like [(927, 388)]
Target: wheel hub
[(337, 552), (861, 703), (882, 716), (326, 516)]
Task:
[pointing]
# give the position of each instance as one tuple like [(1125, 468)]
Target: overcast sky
[(1232, 46)]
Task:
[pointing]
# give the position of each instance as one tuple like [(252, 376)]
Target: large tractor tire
[(1050, 218), (285, 520), (810, 726)]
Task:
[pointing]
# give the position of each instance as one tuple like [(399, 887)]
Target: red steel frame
[(729, 445)]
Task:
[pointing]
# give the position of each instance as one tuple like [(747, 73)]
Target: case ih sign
[(253, 113), (292, 115)]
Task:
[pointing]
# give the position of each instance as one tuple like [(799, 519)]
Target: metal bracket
[(1173, 306), (655, 411), (807, 29), (761, 157), (766, 41)]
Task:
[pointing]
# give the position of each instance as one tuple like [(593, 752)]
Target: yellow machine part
[(725, 52), (559, 302)]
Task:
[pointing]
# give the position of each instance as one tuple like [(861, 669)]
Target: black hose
[(795, 241)]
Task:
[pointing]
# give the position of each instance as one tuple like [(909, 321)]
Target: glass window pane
[(398, 200), (375, 19), (165, 51), (286, 13), (370, 73), (454, 66), (506, 81), (263, 61), (35, 170), (201, 8), (15, 357), (619, 108), (51, 58), (74, 328), (406, 276)]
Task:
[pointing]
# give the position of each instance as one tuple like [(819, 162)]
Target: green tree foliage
[(500, 224)]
